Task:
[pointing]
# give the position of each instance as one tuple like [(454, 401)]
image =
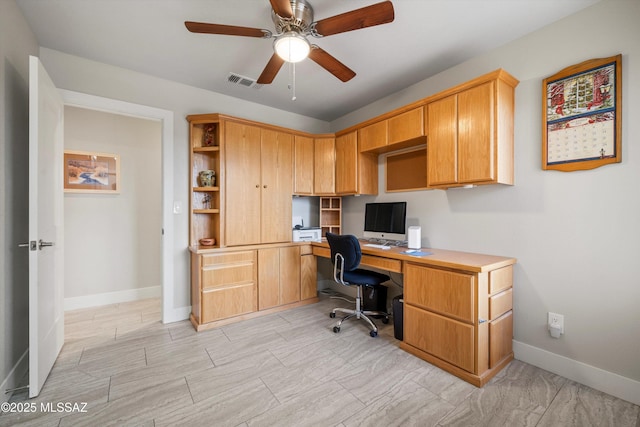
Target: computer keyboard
[(372, 245)]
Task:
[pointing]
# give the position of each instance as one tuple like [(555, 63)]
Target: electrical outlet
[(556, 320)]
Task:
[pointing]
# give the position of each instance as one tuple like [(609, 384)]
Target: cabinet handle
[(257, 185), (265, 186)]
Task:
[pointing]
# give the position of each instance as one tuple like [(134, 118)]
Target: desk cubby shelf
[(330, 215)]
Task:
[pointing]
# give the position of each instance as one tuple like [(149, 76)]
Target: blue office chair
[(346, 256)]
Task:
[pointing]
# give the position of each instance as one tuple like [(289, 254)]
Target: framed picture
[(86, 172), (581, 116)]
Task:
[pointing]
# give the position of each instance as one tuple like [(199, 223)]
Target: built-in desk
[(458, 307)]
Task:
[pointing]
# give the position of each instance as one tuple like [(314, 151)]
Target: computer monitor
[(385, 220)]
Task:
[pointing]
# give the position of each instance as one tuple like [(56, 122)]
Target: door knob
[(42, 244), (32, 245)]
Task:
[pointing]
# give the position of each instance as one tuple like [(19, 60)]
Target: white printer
[(305, 234)]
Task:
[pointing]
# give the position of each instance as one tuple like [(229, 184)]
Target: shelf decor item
[(582, 117), (209, 137), (87, 172), (207, 178)]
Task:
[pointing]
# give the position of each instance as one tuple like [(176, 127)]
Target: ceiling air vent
[(237, 79)]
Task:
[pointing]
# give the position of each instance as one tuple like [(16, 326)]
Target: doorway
[(165, 117)]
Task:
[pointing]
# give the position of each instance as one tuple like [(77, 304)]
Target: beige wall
[(113, 241), (576, 234)]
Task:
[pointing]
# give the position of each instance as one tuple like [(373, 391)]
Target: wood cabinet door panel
[(242, 207), (221, 303), (303, 165), (217, 276), (308, 277), (324, 166), (442, 153), (347, 164), (445, 292), (440, 336), (406, 126), (276, 155), (289, 266), (373, 137), (500, 339), (476, 156), (268, 278)]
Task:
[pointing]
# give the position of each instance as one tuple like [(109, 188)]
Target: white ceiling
[(426, 37)]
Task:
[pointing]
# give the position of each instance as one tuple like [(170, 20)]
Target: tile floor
[(286, 369)]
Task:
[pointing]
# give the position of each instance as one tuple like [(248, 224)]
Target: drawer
[(306, 250), (500, 304), (228, 258), (500, 279), (225, 275), (229, 301), (440, 336), (441, 291), (381, 263), (322, 252), (500, 339)]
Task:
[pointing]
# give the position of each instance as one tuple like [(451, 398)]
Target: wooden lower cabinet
[(460, 321), (230, 285)]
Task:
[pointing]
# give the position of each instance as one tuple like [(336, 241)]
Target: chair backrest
[(346, 245)]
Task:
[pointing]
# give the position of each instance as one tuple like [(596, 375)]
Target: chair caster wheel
[(332, 315), (336, 329), (373, 334), (385, 320)]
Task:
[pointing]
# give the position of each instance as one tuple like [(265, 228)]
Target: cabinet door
[(308, 276), (442, 141), (324, 166), (268, 278), (476, 147), (289, 265), (406, 126), (347, 164), (242, 207), (373, 137), (276, 154), (303, 165)]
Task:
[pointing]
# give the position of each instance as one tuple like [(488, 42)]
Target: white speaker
[(415, 237)]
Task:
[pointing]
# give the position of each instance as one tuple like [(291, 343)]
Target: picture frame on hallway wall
[(88, 172), (582, 117)]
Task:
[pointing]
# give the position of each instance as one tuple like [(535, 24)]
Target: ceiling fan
[(293, 21)]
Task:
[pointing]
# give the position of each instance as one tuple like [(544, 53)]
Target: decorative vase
[(209, 137), (207, 178)]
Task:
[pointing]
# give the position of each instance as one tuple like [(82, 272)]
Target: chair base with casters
[(359, 313), (346, 256)]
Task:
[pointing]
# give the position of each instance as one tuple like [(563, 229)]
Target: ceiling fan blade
[(229, 30), (376, 14), (331, 64), (271, 70), (282, 8)]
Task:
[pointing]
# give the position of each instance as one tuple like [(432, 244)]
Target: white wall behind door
[(113, 241)]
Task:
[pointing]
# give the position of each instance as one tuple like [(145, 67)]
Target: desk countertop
[(467, 261)]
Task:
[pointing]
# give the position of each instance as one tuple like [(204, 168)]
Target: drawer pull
[(480, 321)]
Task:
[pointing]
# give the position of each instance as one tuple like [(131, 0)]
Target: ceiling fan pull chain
[(292, 79)]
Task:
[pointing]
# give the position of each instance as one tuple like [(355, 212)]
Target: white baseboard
[(107, 298), (14, 377), (599, 379)]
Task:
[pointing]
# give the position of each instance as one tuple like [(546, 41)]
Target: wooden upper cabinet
[(373, 137), (356, 173), (470, 134), (303, 165), (259, 167), (324, 166), (406, 126)]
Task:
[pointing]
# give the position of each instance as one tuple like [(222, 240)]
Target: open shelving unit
[(330, 215)]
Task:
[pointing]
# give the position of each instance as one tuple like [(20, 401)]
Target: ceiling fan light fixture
[(292, 47)]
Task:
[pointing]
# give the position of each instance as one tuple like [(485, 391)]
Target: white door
[(46, 291)]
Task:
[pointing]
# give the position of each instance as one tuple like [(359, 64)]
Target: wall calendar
[(581, 116)]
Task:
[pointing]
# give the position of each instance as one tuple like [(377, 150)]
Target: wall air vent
[(237, 79)]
